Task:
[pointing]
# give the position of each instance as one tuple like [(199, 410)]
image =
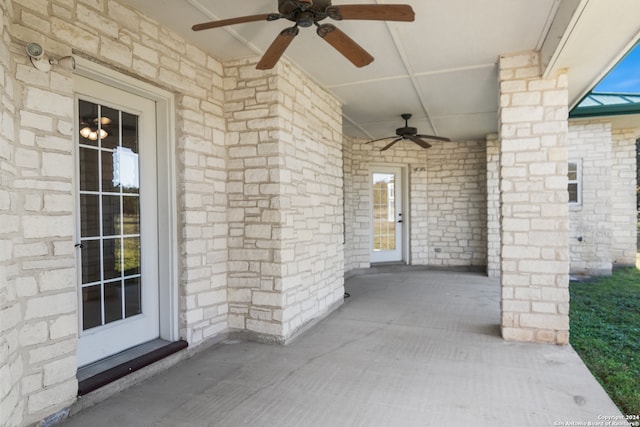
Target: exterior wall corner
[(285, 192)]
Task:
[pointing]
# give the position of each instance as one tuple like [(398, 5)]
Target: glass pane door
[(386, 215), (110, 215), (384, 212), (117, 205)]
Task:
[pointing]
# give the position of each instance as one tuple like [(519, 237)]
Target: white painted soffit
[(588, 38)]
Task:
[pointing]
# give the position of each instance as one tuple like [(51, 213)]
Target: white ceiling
[(441, 68)]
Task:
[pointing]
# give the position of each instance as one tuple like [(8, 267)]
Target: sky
[(625, 77)]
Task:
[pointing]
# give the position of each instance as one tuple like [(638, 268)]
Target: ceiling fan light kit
[(306, 13)]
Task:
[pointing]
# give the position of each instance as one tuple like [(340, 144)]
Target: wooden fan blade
[(380, 139), (277, 48), (233, 21), (374, 12), (421, 143), (345, 45), (386, 147), (439, 138)]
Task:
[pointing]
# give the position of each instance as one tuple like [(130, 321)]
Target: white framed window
[(574, 185)]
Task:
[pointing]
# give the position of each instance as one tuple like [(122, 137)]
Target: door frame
[(406, 217), (166, 194), (109, 338)]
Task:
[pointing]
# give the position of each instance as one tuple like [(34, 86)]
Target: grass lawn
[(605, 331)]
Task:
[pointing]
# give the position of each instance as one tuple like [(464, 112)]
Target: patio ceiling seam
[(204, 10), (356, 125), (407, 66)]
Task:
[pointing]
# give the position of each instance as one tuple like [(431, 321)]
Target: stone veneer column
[(285, 192), (533, 171)]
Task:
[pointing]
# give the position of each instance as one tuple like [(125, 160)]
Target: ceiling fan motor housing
[(286, 7), (406, 131)]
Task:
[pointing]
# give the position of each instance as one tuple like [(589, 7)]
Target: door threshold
[(98, 374)]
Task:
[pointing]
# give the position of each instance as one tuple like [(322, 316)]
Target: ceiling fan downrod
[(406, 131)]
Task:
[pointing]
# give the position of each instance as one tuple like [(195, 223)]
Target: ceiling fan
[(305, 13), (409, 133)]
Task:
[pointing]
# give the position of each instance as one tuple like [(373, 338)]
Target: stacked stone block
[(40, 260), (603, 230), (493, 206), (456, 199), (533, 171), (421, 206), (590, 233), (202, 216), (11, 363), (357, 204), (286, 257), (623, 197), (349, 208)]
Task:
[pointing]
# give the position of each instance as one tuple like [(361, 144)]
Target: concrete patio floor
[(410, 347)]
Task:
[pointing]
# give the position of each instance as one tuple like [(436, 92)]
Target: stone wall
[(603, 226), (41, 229), (623, 197), (285, 192), (357, 201), (37, 251), (533, 182), (457, 204), (351, 261), (11, 312), (590, 232), (493, 206), (447, 201), (202, 208)]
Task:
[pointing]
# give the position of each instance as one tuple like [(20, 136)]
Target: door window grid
[(109, 292), (384, 225)]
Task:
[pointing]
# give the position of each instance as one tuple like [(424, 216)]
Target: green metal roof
[(606, 104)]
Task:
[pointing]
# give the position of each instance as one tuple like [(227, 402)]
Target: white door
[(117, 220), (387, 221)]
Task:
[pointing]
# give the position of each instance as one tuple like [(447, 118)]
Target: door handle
[(399, 220)]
